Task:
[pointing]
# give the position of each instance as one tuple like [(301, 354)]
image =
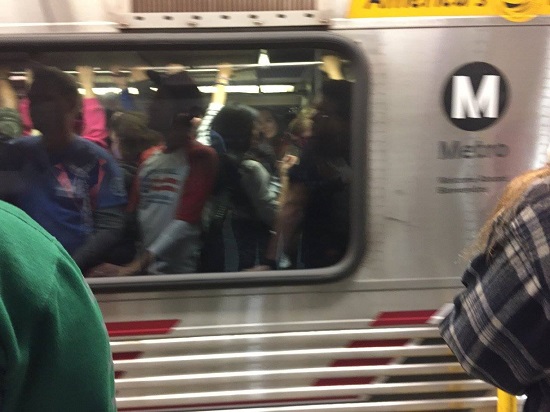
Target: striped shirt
[(499, 328)]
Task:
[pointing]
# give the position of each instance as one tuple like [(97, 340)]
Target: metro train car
[(450, 100)]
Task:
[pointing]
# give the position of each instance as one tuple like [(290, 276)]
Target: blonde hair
[(300, 125), (504, 211)]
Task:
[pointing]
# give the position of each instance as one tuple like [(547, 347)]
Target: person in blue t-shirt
[(70, 186)]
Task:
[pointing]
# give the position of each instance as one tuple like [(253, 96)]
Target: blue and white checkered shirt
[(499, 328)]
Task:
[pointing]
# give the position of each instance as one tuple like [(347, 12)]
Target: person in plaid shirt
[(499, 327)]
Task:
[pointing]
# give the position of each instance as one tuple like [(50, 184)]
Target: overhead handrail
[(193, 69)]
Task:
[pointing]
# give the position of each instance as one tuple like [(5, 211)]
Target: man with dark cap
[(173, 183), (71, 187)]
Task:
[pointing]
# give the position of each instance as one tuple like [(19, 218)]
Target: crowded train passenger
[(262, 151), (499, 325), (299, 131), (317, 196), (69, 185), (173, 184), (55, 350), (130, 139), (242, 193), (91, 123), (272, 134)]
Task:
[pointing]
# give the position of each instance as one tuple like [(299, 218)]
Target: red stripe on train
[(360, 380), (126, 355), (415, 317), (352, 380), (377, 343), (402, 318), (140, 328)]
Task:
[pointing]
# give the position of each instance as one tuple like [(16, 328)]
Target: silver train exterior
[(366, 340)]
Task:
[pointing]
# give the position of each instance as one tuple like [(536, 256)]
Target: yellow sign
[(513, 10)]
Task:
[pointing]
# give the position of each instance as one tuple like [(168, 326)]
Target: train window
[(181, 162)]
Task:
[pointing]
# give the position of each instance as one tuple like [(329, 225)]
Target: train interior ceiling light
[(249, 89)]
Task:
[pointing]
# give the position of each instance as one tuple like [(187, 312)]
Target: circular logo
[(518, 10), (475, 96)]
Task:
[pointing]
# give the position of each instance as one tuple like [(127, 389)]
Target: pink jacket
[(94, 121)]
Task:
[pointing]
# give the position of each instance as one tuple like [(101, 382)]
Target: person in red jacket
[(173, 183)]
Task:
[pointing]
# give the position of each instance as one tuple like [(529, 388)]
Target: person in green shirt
[(54, 348)]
